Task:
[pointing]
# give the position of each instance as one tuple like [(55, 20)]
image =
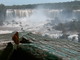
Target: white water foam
[(5, 31)]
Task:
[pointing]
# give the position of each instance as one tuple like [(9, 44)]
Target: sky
[(21, 2)]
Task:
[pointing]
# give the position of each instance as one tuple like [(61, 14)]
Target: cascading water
[(33, 19), (18, 13), (29, 19), (26, 19)]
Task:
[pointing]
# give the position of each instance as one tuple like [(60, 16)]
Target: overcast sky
[(21, 2)]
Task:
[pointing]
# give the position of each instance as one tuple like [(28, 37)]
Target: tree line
[(60, 5)]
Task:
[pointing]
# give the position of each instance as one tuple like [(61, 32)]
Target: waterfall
[(27, 19), (17, 13), (34, 19)]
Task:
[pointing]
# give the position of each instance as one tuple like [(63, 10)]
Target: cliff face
[(2, 13)]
